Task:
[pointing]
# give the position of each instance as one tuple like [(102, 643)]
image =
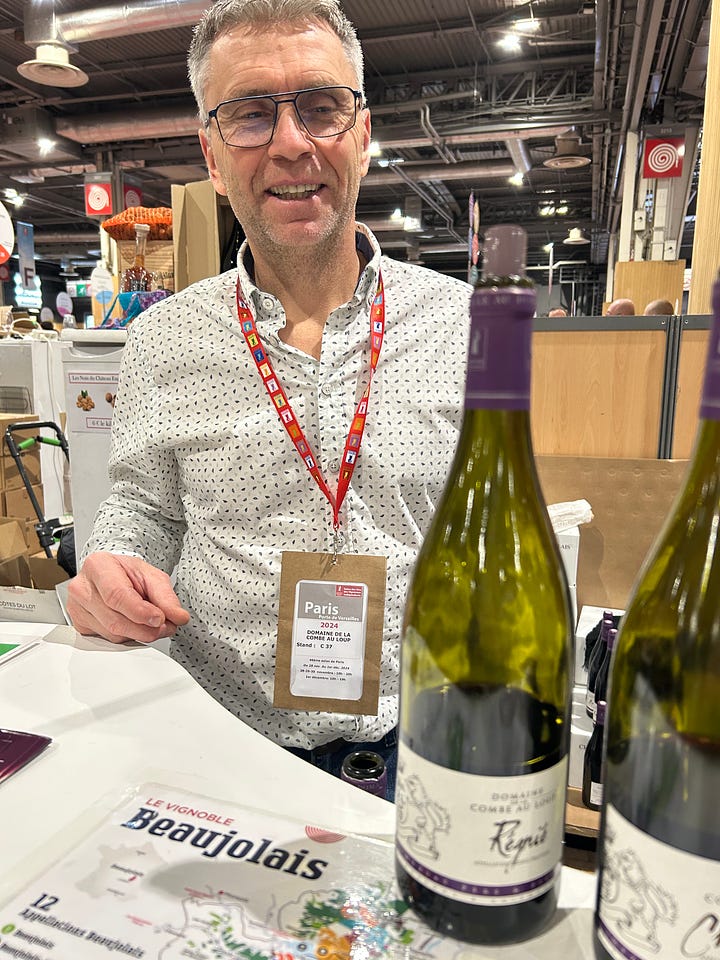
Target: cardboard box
[(9, 472), (45, 571), (580, 731), (28, 605), (203, 223), (14, 567), (630, 500), (569, 543), (16, 502)]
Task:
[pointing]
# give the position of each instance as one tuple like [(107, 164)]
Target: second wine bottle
[(486, 653)]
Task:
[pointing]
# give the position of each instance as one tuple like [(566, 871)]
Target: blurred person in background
[(622, 307)]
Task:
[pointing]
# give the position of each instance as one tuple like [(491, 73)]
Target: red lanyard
[(285, 411)]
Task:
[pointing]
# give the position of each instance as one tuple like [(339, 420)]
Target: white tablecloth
[(124, 715)]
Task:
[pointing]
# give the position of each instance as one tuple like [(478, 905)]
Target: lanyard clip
[(337, 542)]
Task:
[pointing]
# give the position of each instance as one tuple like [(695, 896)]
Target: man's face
[(258, 180)]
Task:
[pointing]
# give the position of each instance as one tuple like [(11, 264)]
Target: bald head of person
[(659, 308), (622, 307), (558, 312)]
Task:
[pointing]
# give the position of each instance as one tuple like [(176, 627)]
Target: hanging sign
[(64, 303), (98, 195), (101, 284), (663, 157), (132, 196), (26, 254), (7, 235)]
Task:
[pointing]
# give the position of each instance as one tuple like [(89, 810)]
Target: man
[(659, 308), (622, 307), (210, 460)]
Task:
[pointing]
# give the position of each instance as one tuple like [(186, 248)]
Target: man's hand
[(123, 598)]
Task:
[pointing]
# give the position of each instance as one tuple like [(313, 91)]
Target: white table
[(121, 715)]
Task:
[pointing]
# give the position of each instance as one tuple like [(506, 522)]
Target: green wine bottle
[(659, 851), (487, 653)]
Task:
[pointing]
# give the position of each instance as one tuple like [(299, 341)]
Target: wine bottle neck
[(498, 370), (495, 437)]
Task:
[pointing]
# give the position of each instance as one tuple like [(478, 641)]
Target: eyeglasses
[(251, 121)]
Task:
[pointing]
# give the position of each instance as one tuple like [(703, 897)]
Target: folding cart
[(52, 531)]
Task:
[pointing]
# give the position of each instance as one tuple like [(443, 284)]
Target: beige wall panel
[(706, 241), (691, 370), (630, 500), (597, 393), (646, 280)]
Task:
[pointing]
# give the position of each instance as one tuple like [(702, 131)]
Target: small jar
[(366, 770)]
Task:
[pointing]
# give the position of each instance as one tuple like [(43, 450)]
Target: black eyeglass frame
[(289, 96)]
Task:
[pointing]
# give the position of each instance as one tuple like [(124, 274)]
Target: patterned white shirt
[(205, 478)]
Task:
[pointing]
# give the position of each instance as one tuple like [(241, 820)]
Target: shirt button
[(326, 389), (334, 465), (268, 303)]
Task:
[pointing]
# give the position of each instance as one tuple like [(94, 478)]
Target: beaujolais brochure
[(171, 875)]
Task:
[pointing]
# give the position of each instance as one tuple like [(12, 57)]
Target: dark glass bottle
[(596, 660), (486, 653), (603, 677), (365, 769), (592, 785)]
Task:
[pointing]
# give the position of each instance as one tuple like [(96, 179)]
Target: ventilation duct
[(568, 153), (54, 33)]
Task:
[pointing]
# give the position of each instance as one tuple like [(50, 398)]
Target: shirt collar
[(268, 310)]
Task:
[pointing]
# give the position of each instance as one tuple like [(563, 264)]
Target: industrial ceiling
[(455, 113)]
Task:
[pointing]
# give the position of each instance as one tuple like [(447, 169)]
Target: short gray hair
[(223, 15)]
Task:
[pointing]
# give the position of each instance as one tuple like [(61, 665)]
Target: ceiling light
[(567, 153), (548, 247), (510, 43), (527, 25), (375, 149), (45, 145), (52, 67), (15, 198), (562, 209), (516, 179), (397, 214), (576, 237)]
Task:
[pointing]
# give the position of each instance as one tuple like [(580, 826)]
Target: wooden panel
[(645, 280), (706, 236), (691, 369), (597, 393), (630, 500)]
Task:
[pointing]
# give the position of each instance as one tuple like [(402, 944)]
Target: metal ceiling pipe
[(519, 154), (82, 236), (456, 171), (116, 20), (152, 123)]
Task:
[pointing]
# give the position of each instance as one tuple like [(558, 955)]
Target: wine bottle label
[(498, 371), (480, 840), (656, 901)]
